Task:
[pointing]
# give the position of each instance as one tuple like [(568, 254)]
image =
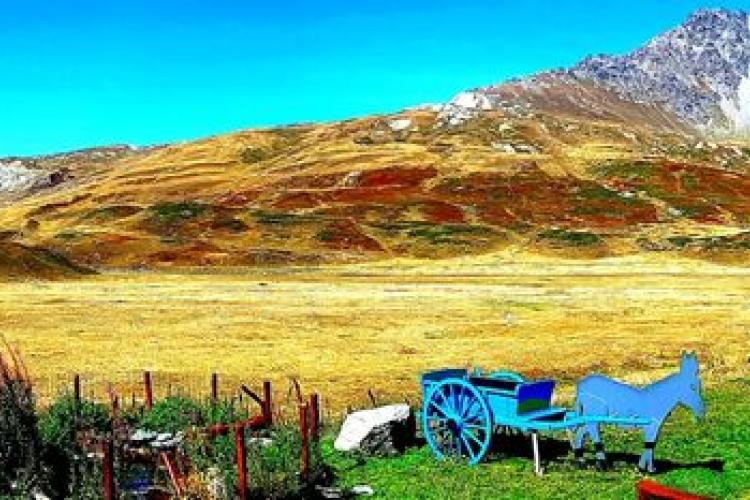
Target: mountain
[(617, 155), (695, 77)]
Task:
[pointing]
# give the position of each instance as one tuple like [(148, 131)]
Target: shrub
[(170, 212), (575, 238), (255, 155), (172, 414), (57, 425), (273, 462), (20, 444)]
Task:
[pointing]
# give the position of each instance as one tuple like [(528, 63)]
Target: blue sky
[(79, 73)]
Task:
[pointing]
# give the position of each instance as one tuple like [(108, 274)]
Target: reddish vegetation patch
[(239, 198), (532, 196), (346, 235), (322, 181), (385, 195), (365, 212), (117, 238), (441, 212), (396, 176), (296, 200), (699, 192), (198, 253), (385, 186)]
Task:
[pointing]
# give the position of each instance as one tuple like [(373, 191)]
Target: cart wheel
[(456, 421)]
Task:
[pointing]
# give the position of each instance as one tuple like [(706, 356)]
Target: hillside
[(561, 163)]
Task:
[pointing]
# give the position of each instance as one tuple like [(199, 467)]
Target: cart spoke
[(440, 409), (467, 432), (471, 453), (467, 411)]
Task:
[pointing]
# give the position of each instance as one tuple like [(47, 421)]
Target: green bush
[(273, 466), (57, 425), (57, 429), (172, 414), (20, 444), (255, 155)]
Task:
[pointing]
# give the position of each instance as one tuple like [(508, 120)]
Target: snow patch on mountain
[(464, 106), (738, 110)]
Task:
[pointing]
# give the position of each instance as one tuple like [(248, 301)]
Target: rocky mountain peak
[(698, 72)]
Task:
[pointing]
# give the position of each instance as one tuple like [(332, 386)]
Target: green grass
[(740, 241), (632, 171), (171, 213), (711, 458), (574, 238), (283, 218), (446, 233), (603, 194)]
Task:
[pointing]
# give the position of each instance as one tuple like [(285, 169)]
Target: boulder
[(387, 430)]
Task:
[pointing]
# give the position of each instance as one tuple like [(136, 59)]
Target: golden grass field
[(343, 330)]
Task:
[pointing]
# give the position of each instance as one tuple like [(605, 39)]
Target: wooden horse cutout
[(597, 395)]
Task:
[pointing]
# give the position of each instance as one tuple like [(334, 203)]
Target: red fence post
[(304, 411), (314, 417), (214, 388), (108, 470), (147, 390), (239, 438), (267, 404)]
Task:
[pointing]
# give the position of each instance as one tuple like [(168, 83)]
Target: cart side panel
[(502, 406), (432, 378)]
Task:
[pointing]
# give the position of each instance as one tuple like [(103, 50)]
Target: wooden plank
[(651, 490), (239, 435), (304, 429)]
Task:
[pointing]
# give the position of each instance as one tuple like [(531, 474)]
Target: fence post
[(108, 470), (304, 428), (239, 438), (314, 417), (267, 404), (214, 388), (147, 390), (77, 394)]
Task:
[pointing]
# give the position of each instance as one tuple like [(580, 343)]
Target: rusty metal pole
[(214, 388), (148, 390), (239, 438), (108, 470), (267, 404), (314, 417), (77, 394), (304, 411), (115, 406)]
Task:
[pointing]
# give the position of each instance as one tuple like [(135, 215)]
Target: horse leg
[(601, 458), (577, 445), (646, 463)]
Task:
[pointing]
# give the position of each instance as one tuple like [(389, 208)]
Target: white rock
[(471, 100), (399, 124), (363, 490), (359, 424)]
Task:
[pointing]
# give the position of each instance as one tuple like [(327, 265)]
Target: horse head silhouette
[(690, 390)]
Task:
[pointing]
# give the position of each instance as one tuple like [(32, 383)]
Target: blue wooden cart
[(462, 409)]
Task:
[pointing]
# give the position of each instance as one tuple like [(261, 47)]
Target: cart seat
[(495, 383), (534, 396)]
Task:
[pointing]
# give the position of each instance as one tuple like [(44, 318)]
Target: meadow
[(344, 330)]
